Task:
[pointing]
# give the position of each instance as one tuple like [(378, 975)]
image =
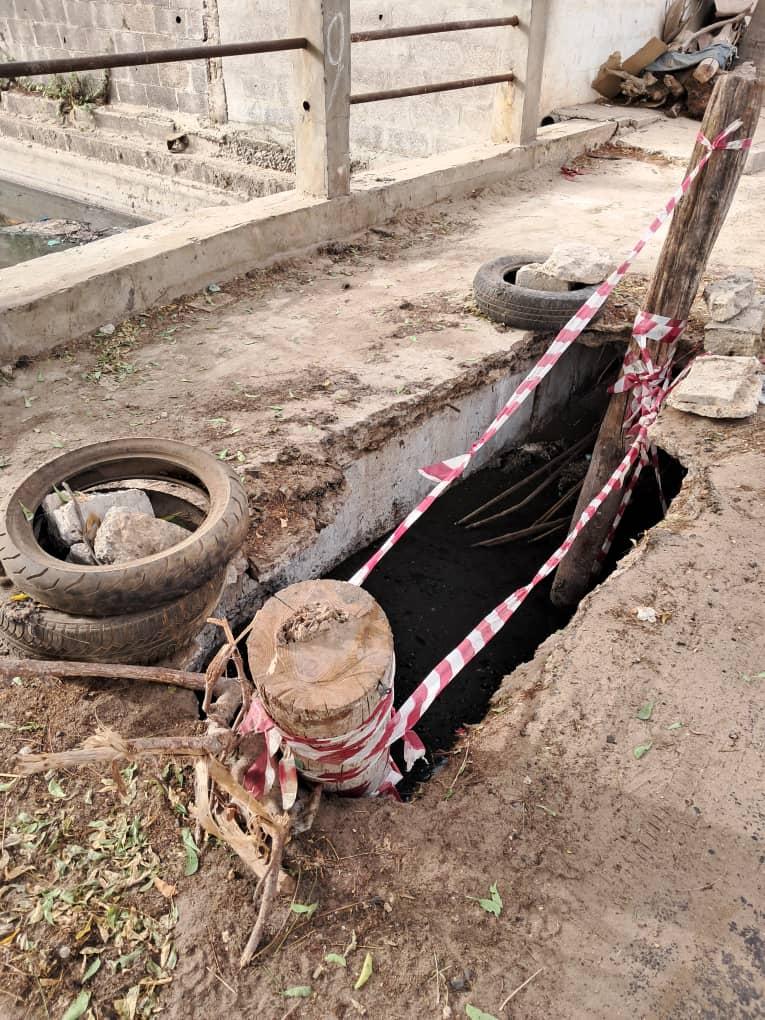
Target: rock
[(108, 329), (534, 277), (579, 263), (80, 553), (64, 523), (740, 335), (646, 614), (730, 296), (127, 535), (719, 387)]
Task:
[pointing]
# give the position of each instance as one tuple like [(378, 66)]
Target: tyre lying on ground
[(34, 631), (149, 494), (502, 300), (100, 591)]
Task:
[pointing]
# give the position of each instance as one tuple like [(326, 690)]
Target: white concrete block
[(534, 277), (719, 387), (126, 535), (741, 335), (729, 296), (63, 519), (579, 263)]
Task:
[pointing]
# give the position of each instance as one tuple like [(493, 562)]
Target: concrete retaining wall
[(71, 293)]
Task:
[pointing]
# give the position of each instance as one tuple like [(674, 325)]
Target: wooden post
[(692, 234), (516, 106), (322, 96), (321, 656)]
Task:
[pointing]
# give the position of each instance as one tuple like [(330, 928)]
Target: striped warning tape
[(648, 386)]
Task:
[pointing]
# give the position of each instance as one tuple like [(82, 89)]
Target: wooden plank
[(691, 237)]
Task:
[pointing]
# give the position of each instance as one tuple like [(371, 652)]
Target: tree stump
[(321, 656)]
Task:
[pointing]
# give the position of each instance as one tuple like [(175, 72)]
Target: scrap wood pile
[(678, 72)]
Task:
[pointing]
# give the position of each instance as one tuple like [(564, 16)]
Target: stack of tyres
[(135, 612)]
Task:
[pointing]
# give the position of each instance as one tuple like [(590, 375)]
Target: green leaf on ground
[(28, 514), (366, 973), (192, 852), (493, 905), (642, 750), (298, 992), (645, 711), (54, 789), (78, 1007), (337, 959), (95, 966), (477, 1014), (675, 726), (302, 908)]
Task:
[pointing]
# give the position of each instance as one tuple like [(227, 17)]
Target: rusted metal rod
[(437, 26), (424, 90), (64, 65)]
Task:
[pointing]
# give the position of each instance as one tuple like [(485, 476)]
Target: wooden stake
[(692, 234)]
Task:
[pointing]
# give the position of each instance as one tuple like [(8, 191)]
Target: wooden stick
[(692, 234), (520, 988), (106, 745), (540, 472), (514, 536), (269, 891), (48, 670)]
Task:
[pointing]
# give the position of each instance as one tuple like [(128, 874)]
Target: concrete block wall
[(581, 34), (258, 90), (47, 29)]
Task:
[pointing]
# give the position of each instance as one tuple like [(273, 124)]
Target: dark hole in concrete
[(177, 19), (434, 588), (306, 105)]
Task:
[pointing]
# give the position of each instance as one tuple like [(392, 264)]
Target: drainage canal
[(436, 584)]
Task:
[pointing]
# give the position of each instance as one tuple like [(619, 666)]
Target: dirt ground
[(630, 886)]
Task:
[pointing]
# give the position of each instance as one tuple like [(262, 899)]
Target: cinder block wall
[(45, 29)]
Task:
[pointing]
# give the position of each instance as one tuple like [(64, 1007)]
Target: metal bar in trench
[(438, 26), (65, 65), (424, 90)]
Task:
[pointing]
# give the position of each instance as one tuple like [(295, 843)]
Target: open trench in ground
[(436, 584)]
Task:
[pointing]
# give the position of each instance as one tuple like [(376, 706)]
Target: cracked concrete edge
[(74, 292)]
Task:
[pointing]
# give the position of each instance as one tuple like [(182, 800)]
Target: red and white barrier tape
[(447, 471), (648, 386)]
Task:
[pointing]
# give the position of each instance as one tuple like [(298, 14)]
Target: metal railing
[(323, 79)]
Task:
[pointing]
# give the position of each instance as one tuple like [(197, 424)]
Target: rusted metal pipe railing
[(64, 65), (373, 35), (424, 90)]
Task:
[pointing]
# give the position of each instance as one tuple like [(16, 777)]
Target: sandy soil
[(630, 887)]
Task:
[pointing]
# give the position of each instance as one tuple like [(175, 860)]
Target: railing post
[(322, 91), (516, 108)]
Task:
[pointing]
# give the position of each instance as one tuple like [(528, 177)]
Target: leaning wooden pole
[(691, 237)]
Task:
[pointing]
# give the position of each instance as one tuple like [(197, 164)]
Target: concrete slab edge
[(70, 293)]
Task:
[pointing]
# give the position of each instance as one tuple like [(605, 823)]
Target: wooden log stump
[(321, 656)]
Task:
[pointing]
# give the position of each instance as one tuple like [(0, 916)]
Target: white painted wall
[(581, 34)]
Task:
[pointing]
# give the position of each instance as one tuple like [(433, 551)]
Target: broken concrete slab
[(81, 553), (729, 296), (719, 387), (579, 263), (127, 535), (742, 335), (64, 521), (534, 277)]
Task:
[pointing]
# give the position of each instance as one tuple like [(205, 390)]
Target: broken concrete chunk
[(579, 263), (730, 296), (534, 277), (81, 553), (741, 335), (63, 520), (127, 535), (718, 387)]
